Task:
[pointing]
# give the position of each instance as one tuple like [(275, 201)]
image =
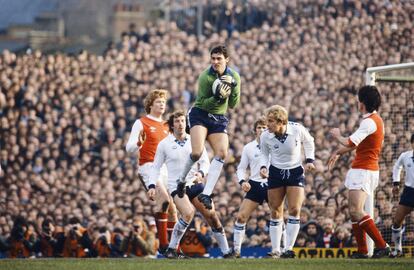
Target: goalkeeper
[(207, 119)]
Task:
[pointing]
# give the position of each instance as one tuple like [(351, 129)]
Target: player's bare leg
[(295, 196), (219, 142), (198, 138), (165, 211), (187, 212), (246, 208), (276, 198), (397, 229), (364, 223), (212, 219)]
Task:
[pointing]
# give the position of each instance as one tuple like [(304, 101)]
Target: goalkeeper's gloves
[(223, 91), (228, 80)]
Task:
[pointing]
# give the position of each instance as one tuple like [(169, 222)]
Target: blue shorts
[(257, 192), (286, 178), (215, 123), (407, 197), (192, 191)]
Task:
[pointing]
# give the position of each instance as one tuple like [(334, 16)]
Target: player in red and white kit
[(146, 133), (362, 178)]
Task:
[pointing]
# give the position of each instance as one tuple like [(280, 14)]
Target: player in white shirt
[(173, 151), (283, 143), (255, 187), (406, 204)]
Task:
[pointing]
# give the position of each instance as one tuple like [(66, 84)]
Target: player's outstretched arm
[(336, 134), (336, 154)]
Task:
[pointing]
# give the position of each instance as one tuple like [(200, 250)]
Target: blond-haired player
[(282, 141)]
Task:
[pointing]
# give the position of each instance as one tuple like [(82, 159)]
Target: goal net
[(396, 84)]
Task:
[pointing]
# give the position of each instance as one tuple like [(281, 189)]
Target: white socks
[(275, 231), (213, 175), (221, 240), (238, 235), (292, 230), (178, 232), (397, 237)]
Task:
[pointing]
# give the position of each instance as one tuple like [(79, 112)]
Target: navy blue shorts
[(257, 192), (215, 123), (286, 178), (192, 191), (407, 197)]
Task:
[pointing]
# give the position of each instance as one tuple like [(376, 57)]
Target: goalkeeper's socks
[(292, 230), (275, 232), (221, 240), (161, 219), (178, 233), (213, 175), (397, 237), (238, 235), (368, 225), (360, 237)]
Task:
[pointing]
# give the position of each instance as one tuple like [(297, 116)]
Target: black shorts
[(407, 197), (192, 191), (215, 123), (257, 192), (286, 178)]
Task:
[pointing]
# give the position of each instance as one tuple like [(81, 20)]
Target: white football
[(215, 85)]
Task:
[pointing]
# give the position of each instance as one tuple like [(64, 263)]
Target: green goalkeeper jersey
[(205, 98)]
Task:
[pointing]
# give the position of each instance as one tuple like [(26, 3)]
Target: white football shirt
[(287, 154)]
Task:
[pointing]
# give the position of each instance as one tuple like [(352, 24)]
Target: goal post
[(390, 73), (395, 80)]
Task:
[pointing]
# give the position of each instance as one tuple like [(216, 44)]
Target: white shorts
[(362, 179), (145, 169)]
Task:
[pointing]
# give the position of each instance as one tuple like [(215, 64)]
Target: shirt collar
[(289, 131), (154, 118), (211, 71), (178, 141), (368, 114)]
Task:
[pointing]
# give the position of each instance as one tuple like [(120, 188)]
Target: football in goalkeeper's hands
[(220, 90), (222, 86), (216, 86), (228, 79)]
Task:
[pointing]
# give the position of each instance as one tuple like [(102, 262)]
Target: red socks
[(368, 225), (360, 238), (161, 221)]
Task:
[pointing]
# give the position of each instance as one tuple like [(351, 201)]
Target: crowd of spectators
[(65, 119)]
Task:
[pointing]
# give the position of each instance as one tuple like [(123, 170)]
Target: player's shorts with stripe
[(215, 123), (407, 197), (361, 179), (286, 177), (257, 192), (144, 171), (191, 191)]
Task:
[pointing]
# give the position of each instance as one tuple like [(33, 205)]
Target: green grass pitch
[(207, 264)]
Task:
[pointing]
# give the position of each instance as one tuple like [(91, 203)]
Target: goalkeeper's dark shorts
[(407, 197), (215, 123), (286, 177)]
